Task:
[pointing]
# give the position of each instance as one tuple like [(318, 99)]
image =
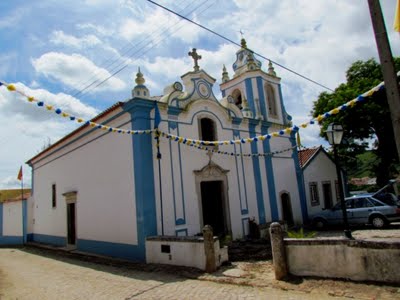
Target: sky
[(53, 50)]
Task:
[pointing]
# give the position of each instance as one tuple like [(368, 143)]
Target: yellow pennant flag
[(298, 140), (396, 24)]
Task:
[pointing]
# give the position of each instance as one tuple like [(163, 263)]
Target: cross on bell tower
[(195, 57)]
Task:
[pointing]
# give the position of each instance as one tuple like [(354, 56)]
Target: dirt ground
[(259, 274)]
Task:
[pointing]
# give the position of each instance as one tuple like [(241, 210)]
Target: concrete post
[(209, 249), (278, 251)]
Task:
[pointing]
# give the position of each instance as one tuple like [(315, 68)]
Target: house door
[(71, 224), (212, 200), (287, 209), (327, 191)]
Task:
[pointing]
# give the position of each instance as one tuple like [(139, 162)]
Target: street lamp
[(334, 133)]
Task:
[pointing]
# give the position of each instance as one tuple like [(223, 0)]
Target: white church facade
[(104, 192)]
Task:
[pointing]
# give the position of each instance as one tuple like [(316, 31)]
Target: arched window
[(208, 130), (237, 97), (271, 100)]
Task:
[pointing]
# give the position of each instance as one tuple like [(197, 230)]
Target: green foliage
[(368, 120), (301, 234)]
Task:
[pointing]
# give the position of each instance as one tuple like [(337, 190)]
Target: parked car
[(361, 209)]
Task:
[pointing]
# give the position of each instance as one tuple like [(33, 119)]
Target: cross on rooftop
[(195, 57)]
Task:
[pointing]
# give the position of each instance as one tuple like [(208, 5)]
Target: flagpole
[(22, 186)]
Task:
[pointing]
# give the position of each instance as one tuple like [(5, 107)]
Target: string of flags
[(199, 143), (64, 114)]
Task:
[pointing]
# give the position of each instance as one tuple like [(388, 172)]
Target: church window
[(138, 92), (271, 100), (207, 130), (144, 93), (53, 196), (237, 97)]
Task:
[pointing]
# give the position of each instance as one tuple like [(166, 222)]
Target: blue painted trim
[(143, 158), (270, 177), (172, 110), (244, 178), (181, 230), (32, 180), (24, 219), (300, 179), (236, 121), (180, 221), (29, 237), (11, 240), (249, 95), (237, 177), (244, 220), (261, 97), (257, 176), (172, 125), (223, 93), (49, 239), (119, 250), (172, 176), (182, 186)]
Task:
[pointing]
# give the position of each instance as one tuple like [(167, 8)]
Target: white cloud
[(75, 70), (25, 128), (156, 24), (58, 37)]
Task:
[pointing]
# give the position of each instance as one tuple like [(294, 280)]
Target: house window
[(207, 130), (314, 197), (271, 101), (237, 97), (53, 196)]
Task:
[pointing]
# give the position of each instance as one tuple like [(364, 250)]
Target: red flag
[(20, 174)]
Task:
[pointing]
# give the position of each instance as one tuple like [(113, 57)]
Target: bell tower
[(259, 90)]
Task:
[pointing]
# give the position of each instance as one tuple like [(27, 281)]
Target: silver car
[(361, 209)]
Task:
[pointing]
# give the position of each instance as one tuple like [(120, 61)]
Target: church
[(168, 165)]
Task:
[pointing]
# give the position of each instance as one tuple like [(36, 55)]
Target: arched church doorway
[(212, 191), (212, 202), (287, 213)]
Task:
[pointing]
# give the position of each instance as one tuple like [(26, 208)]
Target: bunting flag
[(396, 23), (194, 142), (63, 114), (19, 177), (298, 141)]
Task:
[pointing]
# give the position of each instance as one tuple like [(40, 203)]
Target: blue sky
[(53, 49)]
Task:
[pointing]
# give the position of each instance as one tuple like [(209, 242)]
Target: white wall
[(101, 172), (183, 160), (320, 169), (12, 218)]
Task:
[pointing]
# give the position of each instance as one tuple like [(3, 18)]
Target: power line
[(120, 67), (237, 44), (144, 52), (114, 59)]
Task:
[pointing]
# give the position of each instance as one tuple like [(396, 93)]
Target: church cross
[(195, 57)]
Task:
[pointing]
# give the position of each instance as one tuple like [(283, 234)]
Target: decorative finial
[(139, 78), (243, 43), (271, 70), (225, 75), (195, 57)]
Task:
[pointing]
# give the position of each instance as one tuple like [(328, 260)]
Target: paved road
[(31, 274)]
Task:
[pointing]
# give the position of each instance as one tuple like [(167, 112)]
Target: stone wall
[(351, 259)]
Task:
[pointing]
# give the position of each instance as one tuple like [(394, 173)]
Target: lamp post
[(334, 133)]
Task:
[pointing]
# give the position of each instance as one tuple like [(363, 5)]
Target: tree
[(367, 120)]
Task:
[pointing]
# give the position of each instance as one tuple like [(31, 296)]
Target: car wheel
[(378, 222), (319, 223)]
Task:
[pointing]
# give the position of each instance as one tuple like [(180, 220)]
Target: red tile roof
[(306, 154)]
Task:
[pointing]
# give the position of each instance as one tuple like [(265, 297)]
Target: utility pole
[(387, 65)]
